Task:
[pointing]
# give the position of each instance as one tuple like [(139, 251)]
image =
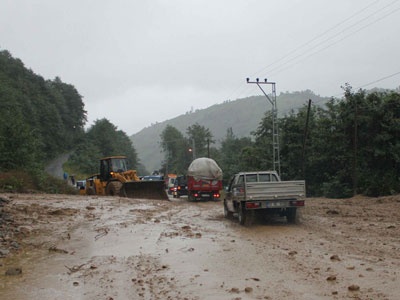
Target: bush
[(336, 189), (16, 181), (25, 182)]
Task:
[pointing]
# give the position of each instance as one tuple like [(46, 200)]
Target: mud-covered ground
[(88, 247)]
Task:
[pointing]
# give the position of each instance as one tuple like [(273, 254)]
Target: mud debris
[(74, 268), (335, 258), (13, 271), (353, 288), (102, 232), (331, 278), (143, 249), (234, 290), (57, 250)]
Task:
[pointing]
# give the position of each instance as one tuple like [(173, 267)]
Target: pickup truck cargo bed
[(263, 192)]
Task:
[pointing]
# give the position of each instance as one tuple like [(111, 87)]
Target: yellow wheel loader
[(116, 180)]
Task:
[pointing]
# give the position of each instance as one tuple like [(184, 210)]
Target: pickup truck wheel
[(291, 215), (242, 215), (246, 217), (227, 214)]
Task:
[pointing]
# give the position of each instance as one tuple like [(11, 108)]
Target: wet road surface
[(80, 247)]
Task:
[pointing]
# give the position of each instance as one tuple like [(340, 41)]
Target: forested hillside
[(41, 119), (347, 146), (38, 118), (242, 116)]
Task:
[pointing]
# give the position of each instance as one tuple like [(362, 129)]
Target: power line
[(359, 87), (378, 80), (317, 37), (280, 68), (372, 82)]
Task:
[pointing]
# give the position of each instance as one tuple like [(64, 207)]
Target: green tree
[(41, 110), (110, 141), (378, 144), (352, 147), (45, 109), (71, 107), (103, 139), (175, 147), (18, 143), (233, 156), (200, 138), (260, 156)]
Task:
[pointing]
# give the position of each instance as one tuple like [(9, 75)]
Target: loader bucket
[(144, 189)]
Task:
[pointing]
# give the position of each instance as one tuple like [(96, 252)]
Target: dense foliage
[(38, 118), (180, 150), (350, 146), (102, 139), (41, 119)]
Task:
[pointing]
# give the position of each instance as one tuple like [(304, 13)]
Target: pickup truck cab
[(265, 193)]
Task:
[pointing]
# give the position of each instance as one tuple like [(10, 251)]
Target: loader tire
[(91, 191), (113, 188)]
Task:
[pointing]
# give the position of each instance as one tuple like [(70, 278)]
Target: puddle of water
[(127, 241)]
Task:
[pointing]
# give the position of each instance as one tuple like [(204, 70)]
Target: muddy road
[(89, 247)]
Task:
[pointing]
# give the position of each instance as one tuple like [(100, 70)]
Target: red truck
[(204, 180)]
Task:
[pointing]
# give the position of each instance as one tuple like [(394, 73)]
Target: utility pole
[(355, 150), (193, 150), (275, 131), (305, 138)]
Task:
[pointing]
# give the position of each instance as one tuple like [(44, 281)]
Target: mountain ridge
[(242, 115)]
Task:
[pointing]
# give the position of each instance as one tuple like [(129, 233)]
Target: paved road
[(55, 167)]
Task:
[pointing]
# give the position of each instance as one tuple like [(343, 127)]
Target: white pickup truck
[(263, 192)]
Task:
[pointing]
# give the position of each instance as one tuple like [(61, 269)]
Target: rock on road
[(89, 247)]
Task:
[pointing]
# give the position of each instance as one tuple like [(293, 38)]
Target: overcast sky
[(138, 62)]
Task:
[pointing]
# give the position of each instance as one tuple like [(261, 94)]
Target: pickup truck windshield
[(254, 177), (251, 178), (261, 177), (267, 177)]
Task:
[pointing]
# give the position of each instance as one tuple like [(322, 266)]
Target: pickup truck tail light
[(253, 205), (297, 203)]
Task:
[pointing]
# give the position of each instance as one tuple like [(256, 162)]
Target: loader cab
[(115, 164)]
